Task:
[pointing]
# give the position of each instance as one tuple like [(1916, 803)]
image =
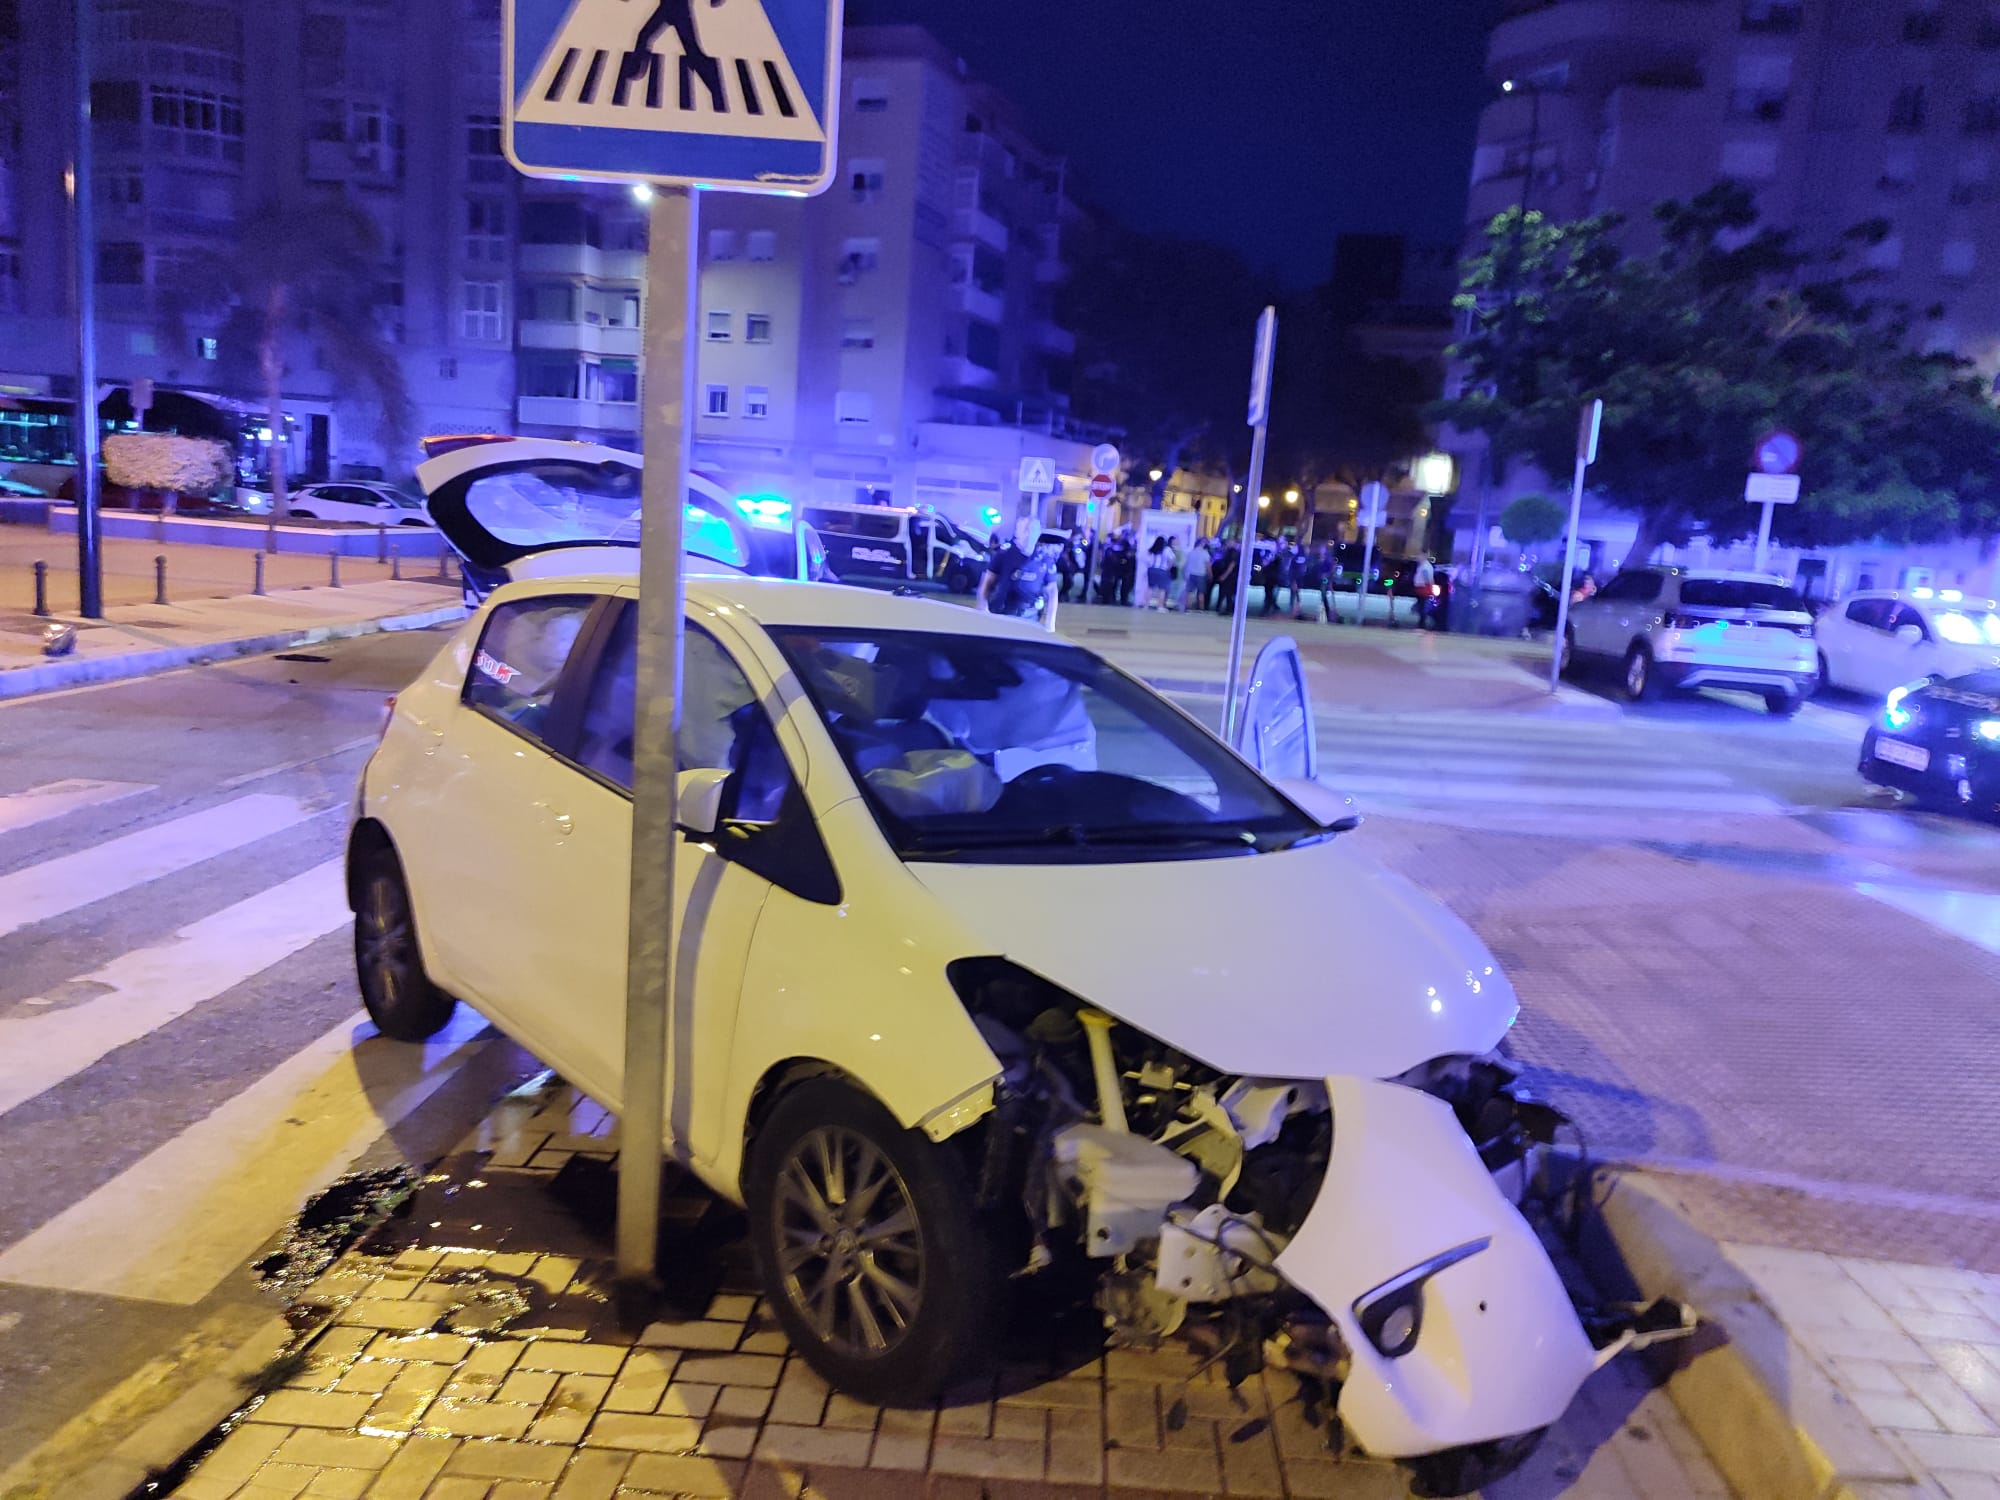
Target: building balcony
[(989, 307), (1597, 36), (588, 338), (1053, 340), (960, 371), (585, 260), (977, 224), (564, 411)]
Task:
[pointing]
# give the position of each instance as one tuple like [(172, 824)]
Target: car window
[(520, 659), (1906, 615), (1873, 613), (722, 725), (1632, 587), (1740, 593)]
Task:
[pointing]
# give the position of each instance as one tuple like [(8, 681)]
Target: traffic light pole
[(83, 255)]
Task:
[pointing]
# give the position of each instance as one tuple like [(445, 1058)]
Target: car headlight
[(1988, 730), (1894, 715)]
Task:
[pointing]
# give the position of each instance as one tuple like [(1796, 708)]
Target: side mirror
[(1326, 807), (698, 802), (1910, 635)]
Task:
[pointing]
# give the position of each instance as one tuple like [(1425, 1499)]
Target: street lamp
[(1291, 497), (642, 192), (1263, 502), (1155, 475)]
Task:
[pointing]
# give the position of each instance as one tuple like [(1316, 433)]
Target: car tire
[(1781, 704), (1640, 681), (840, 1296), (1824, 682), (388, 961)]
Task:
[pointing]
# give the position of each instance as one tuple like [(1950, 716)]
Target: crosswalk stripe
[(38, 804), (175, 1223), (61, 885), (1416, 764), (148, 987), (1514, 792)]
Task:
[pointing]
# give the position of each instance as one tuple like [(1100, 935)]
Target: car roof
[(783, 603), (1728, 575), (1936, 598)]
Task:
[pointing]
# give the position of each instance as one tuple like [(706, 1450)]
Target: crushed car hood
[(1308, 963)]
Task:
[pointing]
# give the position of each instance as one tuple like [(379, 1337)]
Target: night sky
[(1269, 125)]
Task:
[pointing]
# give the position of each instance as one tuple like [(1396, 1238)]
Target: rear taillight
[(388, 713)]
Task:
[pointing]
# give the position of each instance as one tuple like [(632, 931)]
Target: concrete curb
[(52, 676), (1772, 1421)]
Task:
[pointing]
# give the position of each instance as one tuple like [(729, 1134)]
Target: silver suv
[(1679, 628)]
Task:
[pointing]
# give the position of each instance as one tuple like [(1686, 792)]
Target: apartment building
[(1832, 112), (893, 339)]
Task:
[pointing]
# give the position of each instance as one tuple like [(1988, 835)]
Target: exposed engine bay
[(1187, 1188)]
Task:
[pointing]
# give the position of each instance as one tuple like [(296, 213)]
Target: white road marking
[(151, 986), (62, 885), (1639, 795), (296, 765), (175, 1223), (1972, 915), (39, 804)]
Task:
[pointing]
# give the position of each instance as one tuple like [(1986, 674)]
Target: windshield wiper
[(1075, 836)]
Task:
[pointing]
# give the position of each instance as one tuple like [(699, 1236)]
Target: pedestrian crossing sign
[(731, 94)]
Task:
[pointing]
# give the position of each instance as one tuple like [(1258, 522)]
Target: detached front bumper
[(1459, 1328)]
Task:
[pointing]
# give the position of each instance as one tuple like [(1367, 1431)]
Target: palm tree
[(309, 270)]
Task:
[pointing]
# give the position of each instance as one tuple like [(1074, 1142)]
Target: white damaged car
[(943, 1016)]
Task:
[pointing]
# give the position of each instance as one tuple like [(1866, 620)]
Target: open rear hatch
[(537, 507)]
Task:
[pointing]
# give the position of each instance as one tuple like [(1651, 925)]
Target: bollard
[(271, 533), (395, 562), (381, 542), (257, 577), (443, 575), (41, 587), (160, 580), (333, 580)]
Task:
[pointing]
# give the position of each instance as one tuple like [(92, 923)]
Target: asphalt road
[(1694, 900)]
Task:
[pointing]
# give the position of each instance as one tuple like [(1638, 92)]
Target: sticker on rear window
[(495, 668)]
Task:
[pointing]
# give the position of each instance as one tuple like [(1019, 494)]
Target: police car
[(1939, 742)]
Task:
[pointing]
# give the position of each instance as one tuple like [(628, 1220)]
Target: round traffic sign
[(1104, 459), (1102, 486), (1777, 453)]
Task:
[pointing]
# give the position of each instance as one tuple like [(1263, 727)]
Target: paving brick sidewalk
[(390, 1402)]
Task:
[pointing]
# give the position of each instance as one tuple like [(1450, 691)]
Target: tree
[(1531, 519), (312, 271), (1698, 346)]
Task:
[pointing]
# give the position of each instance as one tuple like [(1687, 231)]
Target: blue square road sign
[(731, 94)]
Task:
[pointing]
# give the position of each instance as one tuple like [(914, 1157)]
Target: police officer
[(1020, 579)]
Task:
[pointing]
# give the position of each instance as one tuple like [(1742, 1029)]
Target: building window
[(549, 302), (121, 263), (871, 96), (618, 381), (853, 408), (1772, 15), (864, 178), (196, 122), (718, 401), (1982, 115), (1907, 109), (718, 328), (722, 244), (982, 344), (756, 328), (208, 348), (116, 190), (756, 401), (448, 367), (483, 160), (1763, 85), (1958, 259), (763, 244), (858, 257), (1922, 23), (858, 333), (485, 229), (479, 311), (549, 376)]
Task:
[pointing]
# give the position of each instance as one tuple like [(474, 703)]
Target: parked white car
[(357, 500), (1881, 639), (931, 1029)]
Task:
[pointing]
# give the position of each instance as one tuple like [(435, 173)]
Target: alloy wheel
[(386, 939), (1635, 675), (850, 1248)]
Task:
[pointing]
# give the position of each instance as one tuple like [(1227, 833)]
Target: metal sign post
[(1586, 455), (1769, 491), (1246, 564), (1374, 501), (83, 257), (688, 98)]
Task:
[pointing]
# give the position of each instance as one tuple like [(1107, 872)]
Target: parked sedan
[(1940, 743), (1880, 639), (358, 500), (924, 1027)]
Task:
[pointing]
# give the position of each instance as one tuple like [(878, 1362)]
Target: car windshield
[(1968, 627), (544, 504), (1740, 593), (982, 747)]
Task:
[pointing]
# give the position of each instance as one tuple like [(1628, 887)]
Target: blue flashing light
[(1894, 715), (990, 515), (773, 511), (1988, 730)]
